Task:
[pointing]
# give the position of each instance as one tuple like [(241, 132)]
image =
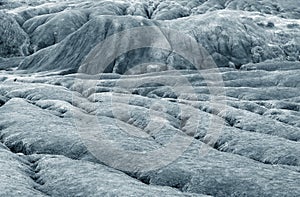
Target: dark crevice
[(148, 13), (3, 100), (32, 165), (18, 147), (57, 113), (34, 174), (2, 138), (217, 146), (146, 179), (233, 123), (2, 134), (143, 179), (35, 170), (284, 121)]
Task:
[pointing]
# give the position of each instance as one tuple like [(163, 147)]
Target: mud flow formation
[(150, 98)]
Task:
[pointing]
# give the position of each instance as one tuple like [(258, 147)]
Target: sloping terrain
[(149, 123)]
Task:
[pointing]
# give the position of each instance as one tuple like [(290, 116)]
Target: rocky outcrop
[(262, 30)]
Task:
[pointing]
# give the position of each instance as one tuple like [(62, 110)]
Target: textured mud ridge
[(45, 103)]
